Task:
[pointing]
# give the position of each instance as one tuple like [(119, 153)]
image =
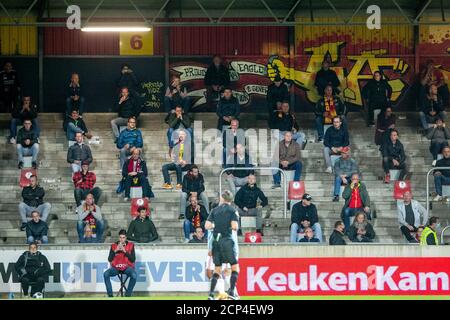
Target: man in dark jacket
[(33, 200), (277, 92), (284, 120), (377, 94), (439, 133), (129, 139), (32, 267), (142, 229), (22, 112), (199, 236), (304, 215), (246, 200), (78, 153), (134, 174), (324, 77), (442, 176), (431, 107), (27, 144), (193, 185), (336, 139), (288, 159), (9, 87), (241, 159), (337, 236), (36, 229), (356, 199), (178, 119), (228, 108), (217, 77), (326, 109), (309, 236), (74, 96), (194, 217), (127, 79), (127, 108), (394, 157), (75, 124)]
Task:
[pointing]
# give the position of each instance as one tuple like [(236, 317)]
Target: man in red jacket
[(122, 258)]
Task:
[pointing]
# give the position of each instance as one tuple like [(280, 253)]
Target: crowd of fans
[(332, 130)]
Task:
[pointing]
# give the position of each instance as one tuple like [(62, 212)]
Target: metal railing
[(442, 234), (260, 169), (428, 185)]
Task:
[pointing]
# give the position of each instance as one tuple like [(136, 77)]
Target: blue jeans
[(170, 135), (295, 229), (74, 105), (427, 120), (350, 212), (173, 167), (112, 272), (31, 239), (72, 131), (337, 184), (439, 181), (33, 151), (99, 227), (188, 228), (297, 166), (299, 137), (16, 122)]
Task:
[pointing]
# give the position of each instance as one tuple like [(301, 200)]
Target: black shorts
[(222, 252)]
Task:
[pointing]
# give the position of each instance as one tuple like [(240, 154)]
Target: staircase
[(55, 176)]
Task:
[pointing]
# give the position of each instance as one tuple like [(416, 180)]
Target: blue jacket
[(131, 137)]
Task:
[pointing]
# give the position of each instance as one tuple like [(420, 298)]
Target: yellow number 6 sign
[(136, 44)]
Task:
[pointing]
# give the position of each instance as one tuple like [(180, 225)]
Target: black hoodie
[(248, 196)]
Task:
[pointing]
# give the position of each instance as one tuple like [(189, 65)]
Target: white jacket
[(418, 210)]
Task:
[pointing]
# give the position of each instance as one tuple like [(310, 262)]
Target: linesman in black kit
[(221, 221)]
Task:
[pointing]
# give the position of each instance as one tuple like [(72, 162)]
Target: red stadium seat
[(253, 237), (400, 187), (139, 202), (25, 175), (296, 190)]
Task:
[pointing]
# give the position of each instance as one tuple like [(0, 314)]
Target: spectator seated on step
[(181, 161), (327, 108), (36, 229), (377, 95), (309, 236), (176, 95), (336, 139), (231, 137), (135, 174), (247, 201), (33, 200), (27, 144), (431, 107), (439, 134), (84, 182), (74, 124), (240, 159), (78, 153), (193, 186), (288, 159), (199, 236), (75, 99), (356, 199), (142, 228), (178, 120), (228, 108), (284, 120), (129, 139), (304, 215), (344, 167), (361, 230), (442, 176), (90, 214), (277, 92), (394, 157), (21, 112), (385, 123), (337, 236), (195, 217), (127, 107), (411, 215)]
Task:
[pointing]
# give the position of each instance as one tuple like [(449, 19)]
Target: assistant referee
[(223, 219)]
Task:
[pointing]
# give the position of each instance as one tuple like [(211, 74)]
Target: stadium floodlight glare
[(115, 29)]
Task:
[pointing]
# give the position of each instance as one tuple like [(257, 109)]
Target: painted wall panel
[(18, 40)]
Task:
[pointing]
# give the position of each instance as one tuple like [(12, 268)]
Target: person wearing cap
[(336, 139), (326, 77), (288, 159), (284, 121), (78, 153), (304, 215), (344, 167), (247, 201), (429, 235), (84, 182), (228, 108), (356, 199), (277, 92)]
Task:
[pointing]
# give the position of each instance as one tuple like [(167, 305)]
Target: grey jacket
[(418, 210), (438, 134), (82, 153), (82, 214), (186, 153), (346, 167)]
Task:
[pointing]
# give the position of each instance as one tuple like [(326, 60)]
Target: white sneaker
[(329, 170), (186, 241), (12, 140), (437, 198), (433, 163)]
